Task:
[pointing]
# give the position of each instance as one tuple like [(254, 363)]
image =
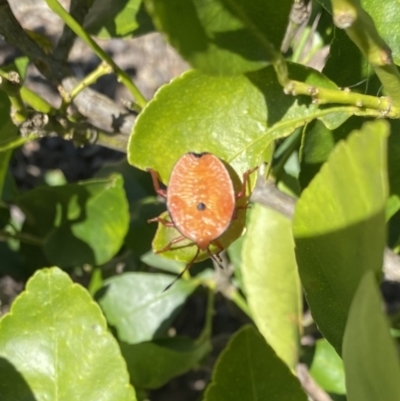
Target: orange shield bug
[(201, 202)]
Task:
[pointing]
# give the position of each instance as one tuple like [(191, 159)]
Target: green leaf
[(327, 368), (248, 369), (223, 37), (369, 354), (78, 223), (339, 226), (152, 259), (55, 345), (139, 308), (235, 118), (112, 19), (272, 282), (153, 364)]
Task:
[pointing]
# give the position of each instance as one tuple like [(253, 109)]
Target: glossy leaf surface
[(271, 281), (55, 345), (339, 226)]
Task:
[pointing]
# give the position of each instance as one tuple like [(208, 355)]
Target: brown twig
[(310, 386)]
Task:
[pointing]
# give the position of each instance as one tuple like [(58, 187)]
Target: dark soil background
[(151, 62)]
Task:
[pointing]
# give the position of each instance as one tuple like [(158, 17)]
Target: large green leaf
[(109, 19), (223, 37), (369, 354), (235, 118), (248, 369), (139, 308), (271, 281), (152, 364), (78, 223), (339, 226), (55, 345)]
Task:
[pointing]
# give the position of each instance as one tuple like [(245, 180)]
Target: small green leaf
[(153, 364), (248, 369), (139, 308), (327, 368), (339, 226), (112, 19), (223, 38), (369, 353), (55, 345), (271, 281), (78, 223)]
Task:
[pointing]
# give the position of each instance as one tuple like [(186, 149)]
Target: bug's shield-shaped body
[(201, 198)]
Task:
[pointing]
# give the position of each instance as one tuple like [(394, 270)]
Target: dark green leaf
[(223, 37), (248, 369), (339, 226), (54, 344), (78, 223), (327, 368), (272, 282), (153, 364), (139, 308), (369, 353)]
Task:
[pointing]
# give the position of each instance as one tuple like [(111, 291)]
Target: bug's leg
[(245, 182), (187, 267), (156, 183), (164, 222), (216, 258), (172, 242)]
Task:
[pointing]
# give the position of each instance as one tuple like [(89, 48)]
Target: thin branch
[(309, 384), (100, 110), (78, 9)]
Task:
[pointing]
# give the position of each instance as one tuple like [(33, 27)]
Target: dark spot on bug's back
[(198, 155), (201, 206)]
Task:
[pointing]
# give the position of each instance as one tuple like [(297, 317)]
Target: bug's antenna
[(179, 276)]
